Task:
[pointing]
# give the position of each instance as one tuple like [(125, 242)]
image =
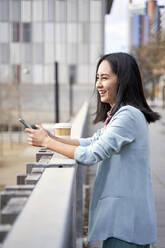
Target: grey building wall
[(33, 35), (36, 33)]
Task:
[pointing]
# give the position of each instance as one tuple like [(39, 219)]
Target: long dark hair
[(129, 88)]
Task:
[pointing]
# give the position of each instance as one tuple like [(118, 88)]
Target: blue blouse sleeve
[(90, 140), (119, 132)]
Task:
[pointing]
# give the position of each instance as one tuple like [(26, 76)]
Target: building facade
[(36, 33), (139, 30), (147, 23), (144, 22)]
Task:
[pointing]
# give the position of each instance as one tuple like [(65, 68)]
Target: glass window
[(49, 73), (26, 32), (49, 53), (83, 32), (49, 10), (37, 10), (60, 10), (95, 52), (83, 53), (26, 11), (26, 74), (4, 73), (96, 33), (72, 32), (38, 53), (4, 53), (49, 32), (63, 73), (16, 32), (37, 32), (4, 10), (83, 74), (72, 10), (38, 73), (60, 32), (15, 53), (96, 12), (83, 10), (15, 10), (26, 53), (61, 53), (92, 72), (72, 53), (4, 32)]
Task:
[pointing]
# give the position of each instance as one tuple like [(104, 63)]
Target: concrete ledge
[(56, 201), (51, 207), (79, 123)]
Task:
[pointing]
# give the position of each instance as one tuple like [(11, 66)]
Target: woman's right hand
[(47, 131)]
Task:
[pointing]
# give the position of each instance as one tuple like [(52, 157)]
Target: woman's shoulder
[(129, 108), (131, 111)]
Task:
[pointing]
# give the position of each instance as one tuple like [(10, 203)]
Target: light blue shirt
[(122, 202)]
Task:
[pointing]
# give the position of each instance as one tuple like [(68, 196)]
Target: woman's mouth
[(102, 92)]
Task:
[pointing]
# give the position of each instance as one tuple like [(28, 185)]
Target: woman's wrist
[(47, 142)]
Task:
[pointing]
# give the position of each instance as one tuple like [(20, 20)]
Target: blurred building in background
[(36, 33), (147, 23), (145, 20)]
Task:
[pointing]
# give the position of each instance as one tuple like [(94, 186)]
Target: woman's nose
[(98, 83)]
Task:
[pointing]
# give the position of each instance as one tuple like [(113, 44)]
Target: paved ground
[(157, 143)]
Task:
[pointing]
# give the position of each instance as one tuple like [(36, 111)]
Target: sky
[(116, 26)]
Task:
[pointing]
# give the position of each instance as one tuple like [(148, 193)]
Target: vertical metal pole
[(70, 97), (56, 93), (163, 97)]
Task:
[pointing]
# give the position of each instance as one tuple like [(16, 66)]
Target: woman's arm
[(120, 132), (74, 142), (39, 137), (65, 149)]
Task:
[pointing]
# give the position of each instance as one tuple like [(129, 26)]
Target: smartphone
[(25, 124)]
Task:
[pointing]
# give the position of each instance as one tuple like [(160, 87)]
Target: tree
[(151, 59)]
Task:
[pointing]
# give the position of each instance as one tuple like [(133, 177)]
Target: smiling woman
[(106, 83), (122, 210)]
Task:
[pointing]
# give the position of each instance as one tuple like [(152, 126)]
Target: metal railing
[(45, 209)]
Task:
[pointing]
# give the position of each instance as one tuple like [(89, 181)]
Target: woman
[(122, 211)]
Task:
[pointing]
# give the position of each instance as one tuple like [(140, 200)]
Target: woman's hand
[(37, 137), (41, 137)]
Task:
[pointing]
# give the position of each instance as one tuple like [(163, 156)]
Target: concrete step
[(19, 187), (7, 195), (12, 209), (4, 229)]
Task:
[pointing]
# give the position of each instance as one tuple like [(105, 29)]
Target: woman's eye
[(104, 78)]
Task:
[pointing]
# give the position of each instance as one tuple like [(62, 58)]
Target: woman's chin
[(103, 100)]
